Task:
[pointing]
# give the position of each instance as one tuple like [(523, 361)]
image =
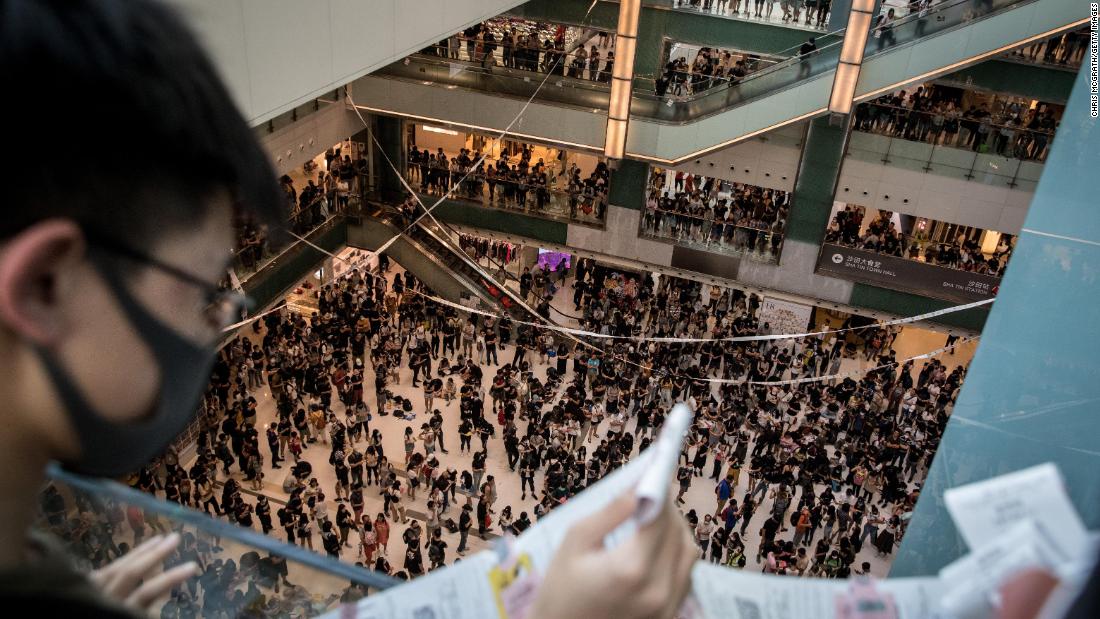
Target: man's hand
[(648, 575), (125, 578)]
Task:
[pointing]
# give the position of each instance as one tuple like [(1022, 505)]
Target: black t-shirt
[(771, 527), (437, 550), (413, 560)]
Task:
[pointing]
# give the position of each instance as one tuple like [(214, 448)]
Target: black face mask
[(112, 449)]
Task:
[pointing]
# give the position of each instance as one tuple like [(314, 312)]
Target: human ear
[(36, 270)]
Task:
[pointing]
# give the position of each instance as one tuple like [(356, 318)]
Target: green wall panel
[(628, 183), (1015, 78), (816, 183), (501, 221), (390, 132), (905, 304)]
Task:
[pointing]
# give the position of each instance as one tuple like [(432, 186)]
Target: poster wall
[(785, 316)]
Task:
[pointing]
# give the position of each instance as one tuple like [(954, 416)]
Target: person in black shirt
[(525, 282), (437, 549), (491, 346), (414, 562), (330, 540), (465, 522), (804, 52), (767, 534), (263, 512)]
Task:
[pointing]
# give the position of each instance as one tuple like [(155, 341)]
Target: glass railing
[(755, 242), (954, 130), (243, 571), (531, 75), (815, 17), (1064, 52), (519, 197), (571, 64), (948, 161), (502, 80), (928, 251), (679, 109), (255, 250), (576, 66)]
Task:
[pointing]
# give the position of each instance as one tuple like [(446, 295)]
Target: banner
[(906, 275)]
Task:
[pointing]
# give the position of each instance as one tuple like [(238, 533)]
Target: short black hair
[(128, 128)]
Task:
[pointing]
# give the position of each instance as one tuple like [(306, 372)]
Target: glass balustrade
[(243, 571)]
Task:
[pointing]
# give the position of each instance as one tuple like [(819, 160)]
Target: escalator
[(431, 255), (671, 129)]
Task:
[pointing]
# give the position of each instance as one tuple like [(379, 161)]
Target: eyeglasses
[(221, 307)]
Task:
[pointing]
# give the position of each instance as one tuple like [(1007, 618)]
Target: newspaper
[(987, 509), (725, 593)]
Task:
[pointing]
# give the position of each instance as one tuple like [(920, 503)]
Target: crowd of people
[(309, 207), (882, 236), (814, 12), (531, 49), (711, 68), (715, 213), (803, 476), (526, 185), (931, 115), (1066, 49)]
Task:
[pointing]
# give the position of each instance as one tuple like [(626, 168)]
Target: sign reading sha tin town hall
[(906, 275)]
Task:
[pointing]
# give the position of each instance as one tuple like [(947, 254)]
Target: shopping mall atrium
[(853, 238)]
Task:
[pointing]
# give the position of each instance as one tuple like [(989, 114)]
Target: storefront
[(506, 260), (558, 160), (492, 254), (545, 31), (537, 179)]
